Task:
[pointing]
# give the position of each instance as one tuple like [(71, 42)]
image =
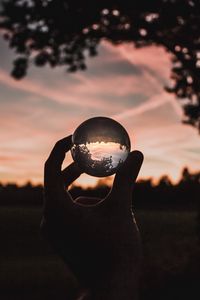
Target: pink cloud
[(152, 103), (30, 128), (154, 57), (42, 90)]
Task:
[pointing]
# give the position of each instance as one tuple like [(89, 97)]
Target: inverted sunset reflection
[(100, 158)]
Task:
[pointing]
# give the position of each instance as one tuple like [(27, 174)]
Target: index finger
[(56, 198), (52, 170)]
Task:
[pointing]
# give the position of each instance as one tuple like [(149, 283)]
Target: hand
[(99, 242)]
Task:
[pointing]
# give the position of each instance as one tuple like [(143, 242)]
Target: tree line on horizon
[(183, 194)]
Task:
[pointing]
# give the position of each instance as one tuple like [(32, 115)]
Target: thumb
[(126, 176), (70, 174)]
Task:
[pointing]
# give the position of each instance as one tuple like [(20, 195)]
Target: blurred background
[(145, 75)]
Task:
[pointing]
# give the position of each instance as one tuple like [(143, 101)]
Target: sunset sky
[(122, 83)]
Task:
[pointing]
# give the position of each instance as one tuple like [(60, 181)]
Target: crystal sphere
[(100, 146)]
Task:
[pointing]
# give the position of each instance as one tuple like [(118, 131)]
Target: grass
[(30, 270), (169, 238)]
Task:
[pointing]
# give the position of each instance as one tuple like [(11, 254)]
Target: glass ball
[(100, 146)]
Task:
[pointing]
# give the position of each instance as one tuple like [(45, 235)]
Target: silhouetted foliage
[(182, 195), (64, 32), (11, 194)]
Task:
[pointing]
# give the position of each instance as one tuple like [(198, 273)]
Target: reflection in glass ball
[(100, 146)]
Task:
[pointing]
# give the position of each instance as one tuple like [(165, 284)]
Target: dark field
[(29, 269)]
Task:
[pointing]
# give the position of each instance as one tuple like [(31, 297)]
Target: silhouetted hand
[(98, 239)]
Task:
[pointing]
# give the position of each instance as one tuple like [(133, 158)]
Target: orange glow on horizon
[(122, 83)]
